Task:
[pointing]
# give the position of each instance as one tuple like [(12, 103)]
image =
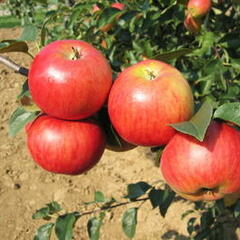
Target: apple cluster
[(196, 10), (71, 82)]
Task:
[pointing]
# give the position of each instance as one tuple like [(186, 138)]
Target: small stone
[(16, 186)]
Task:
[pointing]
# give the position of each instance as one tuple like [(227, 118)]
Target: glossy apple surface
[(63, 146), (145, 99), (70, 79), (199, 8), (113, 141), (207, 170)]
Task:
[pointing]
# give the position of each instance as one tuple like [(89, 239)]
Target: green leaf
[(229, 112), (44, 232), (99, 197), (129, 222), (236, 211), (93, 226), (64, 225), (191, 225), (50, 209), (197, 126), (155, 197), (166, 56), (206, 219), (9, 21), (166, 200), (206, 41), (24, 91), (7, 46), (108, 15), (29, 33), (136, 190), (19, 119)]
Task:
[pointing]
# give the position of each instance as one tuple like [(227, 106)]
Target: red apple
[(199, 8), (118, 5), (193, 24), (70, 79), (113, 141), (63, 146), (145, 99), (207, 170)]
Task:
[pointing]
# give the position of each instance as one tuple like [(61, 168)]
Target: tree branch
[(12, 65)]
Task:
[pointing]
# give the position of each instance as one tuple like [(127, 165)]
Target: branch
[(114, 206), (12, 65)]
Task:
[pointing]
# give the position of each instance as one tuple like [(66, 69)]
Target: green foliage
[(198, 124)]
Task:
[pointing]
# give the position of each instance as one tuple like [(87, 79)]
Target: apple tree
[(200, 39)]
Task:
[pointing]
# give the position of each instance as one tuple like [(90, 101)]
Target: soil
[(25, 187)]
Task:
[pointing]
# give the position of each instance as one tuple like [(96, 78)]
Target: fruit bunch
[(196, 10), (71, 82)]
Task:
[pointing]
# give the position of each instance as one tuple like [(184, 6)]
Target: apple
[(113, 141), (118, 5), (193, 24), (65, 146), (147, 97), (207, 170), (70, 79), (198, 8)]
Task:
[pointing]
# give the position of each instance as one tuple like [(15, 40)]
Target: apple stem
[(12, 65), (77, 54), (151, 74)]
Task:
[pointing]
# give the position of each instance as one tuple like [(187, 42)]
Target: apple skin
[(63, 146), (113, 141), (67, 88), (199, 8), (147, 97), (193, 24), (207, 170)]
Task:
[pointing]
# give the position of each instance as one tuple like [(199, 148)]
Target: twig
[(114, 206), (12, 65)]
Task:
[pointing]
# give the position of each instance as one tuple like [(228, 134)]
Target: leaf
[(190, 225), (129, 222), (29, 33), (173, 54), (229, 112), (186, 213), (24, 91), (93, 226), (9, 22), (19, 119), (99, 197), (50, 209), (13, 46), (108, 15), (166, 200), (236, 211), (44, 232), (136, 190), (155, 197), (64, 225), (197, 126), (206, 219)]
